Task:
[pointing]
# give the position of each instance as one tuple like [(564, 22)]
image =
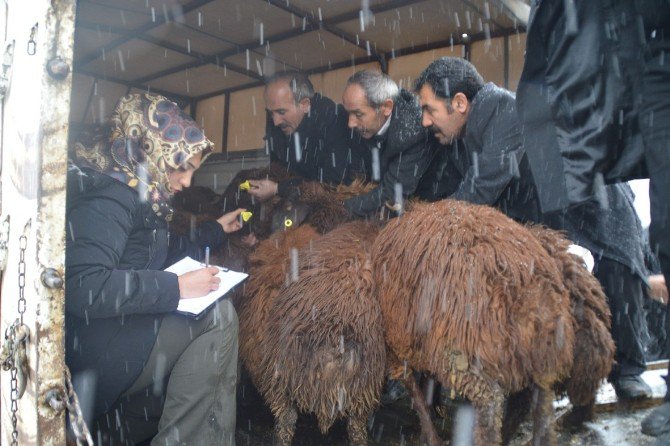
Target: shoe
[(631, 388), (663, 440), (393, 391), (658, 421)]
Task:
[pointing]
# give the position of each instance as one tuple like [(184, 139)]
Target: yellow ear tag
[(246, 215), (245, 186), (288, 222)]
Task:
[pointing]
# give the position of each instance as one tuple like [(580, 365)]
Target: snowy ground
[(396, 425), (615, 424)]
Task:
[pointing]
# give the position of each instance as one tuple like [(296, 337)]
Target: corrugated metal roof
[(191, 49)]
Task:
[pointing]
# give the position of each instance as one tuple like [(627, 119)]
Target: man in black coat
[(307, 133), (483, 162), (389, 121), (577, 97), (584, 81)]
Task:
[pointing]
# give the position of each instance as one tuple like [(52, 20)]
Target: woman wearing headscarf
[(142, 369)]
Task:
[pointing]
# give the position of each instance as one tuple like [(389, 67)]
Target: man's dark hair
[(299, 82), (450, 75)]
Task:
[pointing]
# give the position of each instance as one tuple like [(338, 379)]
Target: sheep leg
[(578, 415), (517, 408), (488, 419), (428, 432), (357, 431), (543, 411), (285, 419)]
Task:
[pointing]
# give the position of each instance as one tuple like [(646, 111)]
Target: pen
[(207, 257)]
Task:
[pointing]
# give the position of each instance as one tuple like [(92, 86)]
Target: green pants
[(186, 391)]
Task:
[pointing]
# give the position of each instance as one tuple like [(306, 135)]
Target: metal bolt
[(54, 398), (58, 68), (51, 278)]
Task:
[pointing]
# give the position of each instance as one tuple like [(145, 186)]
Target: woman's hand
[(231, 221), (198, 283), (263, 189)]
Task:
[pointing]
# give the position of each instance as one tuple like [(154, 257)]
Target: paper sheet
[(197, 305)]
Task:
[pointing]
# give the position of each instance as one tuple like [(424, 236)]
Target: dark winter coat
[(328, 149), (405, 151), (488, 166), (485, 166), (578, 97), (116, 292)]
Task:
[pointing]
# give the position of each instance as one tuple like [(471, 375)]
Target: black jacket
[(488, 166), (578, 97), (328, 149), (115, 290), (405, 151)]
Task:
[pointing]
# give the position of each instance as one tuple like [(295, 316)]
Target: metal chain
[(14, 395), (23, 244), (79, 428), (32, 45), (14, 335), (14, 392)]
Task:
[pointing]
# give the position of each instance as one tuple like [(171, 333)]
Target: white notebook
[(197, 305)]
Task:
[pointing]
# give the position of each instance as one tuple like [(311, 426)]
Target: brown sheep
[(318, 204), (196, 204), (593, 353), (316, 344), (325, 351), (594, 347), (269, 273), (473, 298), (233, 197)]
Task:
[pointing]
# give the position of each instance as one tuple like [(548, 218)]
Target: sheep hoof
[(577, 416)]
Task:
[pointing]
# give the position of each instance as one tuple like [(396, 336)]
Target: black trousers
[(624, 295), (655, 124)]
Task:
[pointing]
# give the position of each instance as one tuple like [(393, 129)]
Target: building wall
[(404, 70), (517, 51), (209, 115), (489, 58), (332, 83), (246, 121)]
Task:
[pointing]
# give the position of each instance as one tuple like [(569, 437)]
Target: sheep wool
[(473, 298)]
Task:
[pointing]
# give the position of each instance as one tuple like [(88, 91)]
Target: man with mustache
[(389, 121), (307, 133), (484, 162)]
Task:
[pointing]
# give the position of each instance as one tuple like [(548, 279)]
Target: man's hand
[(658, 290), (198, 283), (231, 221), (263, 189)]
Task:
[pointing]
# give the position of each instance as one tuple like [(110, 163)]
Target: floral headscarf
[(149, 136)]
